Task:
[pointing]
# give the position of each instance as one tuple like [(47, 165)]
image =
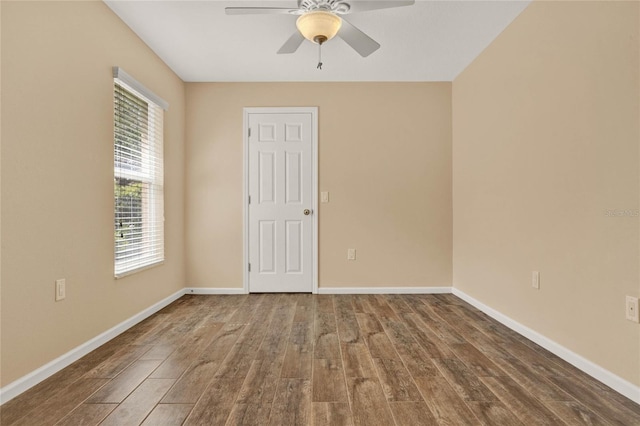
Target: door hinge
[(249, 199), (249, 131), (249, 267)]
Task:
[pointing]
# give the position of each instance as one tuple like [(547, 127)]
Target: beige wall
[(57, 179), (545, 142), (385, 158)]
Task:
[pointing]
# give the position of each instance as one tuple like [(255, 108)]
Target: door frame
[(245, 185)]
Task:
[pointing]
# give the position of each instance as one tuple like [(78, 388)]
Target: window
[(138, 176)]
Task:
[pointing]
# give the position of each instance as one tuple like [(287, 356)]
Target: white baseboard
[(26, 382), (615, 382), (384, 290), (214, 290)]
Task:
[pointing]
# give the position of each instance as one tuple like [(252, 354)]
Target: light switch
[(324, 197), (351, 254), (61, 290), (535, 279)]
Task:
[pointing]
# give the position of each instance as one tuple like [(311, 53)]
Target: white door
[(281, 199)]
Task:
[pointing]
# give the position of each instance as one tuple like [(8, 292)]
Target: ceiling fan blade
[(366, 5), (257, 10), (359, 41), (292, 44)]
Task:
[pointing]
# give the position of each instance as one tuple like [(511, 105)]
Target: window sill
[(136, 270)]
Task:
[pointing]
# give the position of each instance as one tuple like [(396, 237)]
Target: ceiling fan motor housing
[(335, 6)]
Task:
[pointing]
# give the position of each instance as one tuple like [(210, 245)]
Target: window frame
[(149, 238)]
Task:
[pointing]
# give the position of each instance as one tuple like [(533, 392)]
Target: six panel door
[(280, 191)]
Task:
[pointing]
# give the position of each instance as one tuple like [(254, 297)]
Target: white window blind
[(138, 176)]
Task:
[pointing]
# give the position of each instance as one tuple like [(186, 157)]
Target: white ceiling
[(429, 41)]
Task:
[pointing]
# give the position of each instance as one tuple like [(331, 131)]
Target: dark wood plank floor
[(294, 359)]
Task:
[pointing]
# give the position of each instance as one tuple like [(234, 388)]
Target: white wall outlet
[(535, 280), (324, 197), (351, 254), (61, 289), (631, 309)]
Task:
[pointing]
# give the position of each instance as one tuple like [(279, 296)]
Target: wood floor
[(320, 360)]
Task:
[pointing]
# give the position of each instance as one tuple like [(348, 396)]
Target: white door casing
[(280, 150)]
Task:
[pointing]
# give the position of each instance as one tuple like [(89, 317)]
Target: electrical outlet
[(61, 290), (351, 254), (535, 280), (631, 309)]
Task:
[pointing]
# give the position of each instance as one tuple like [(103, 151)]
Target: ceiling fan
[(321, 20)]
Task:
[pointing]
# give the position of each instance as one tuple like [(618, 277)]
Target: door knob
[(306, 212)]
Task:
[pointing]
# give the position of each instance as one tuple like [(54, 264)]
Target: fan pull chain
[(319, 57)]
